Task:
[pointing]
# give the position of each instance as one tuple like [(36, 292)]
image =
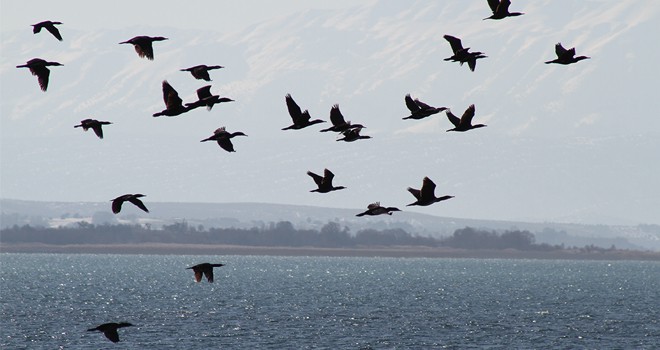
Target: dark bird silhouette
[(205, 269), (300, 119), (93, 124), (173, 103), (339, 124), (223, 138), (426, 196), (500, 9), (201, 72), (39, 68), (566, 56), (50, 26), (353, 134), (110, 330), (324, 182), (375, 209), (143, 45), (465, 122), (133, 198), (419, 109), (463, 55), (205, 98)]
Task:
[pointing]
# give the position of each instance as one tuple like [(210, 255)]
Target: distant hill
[(247, 215)]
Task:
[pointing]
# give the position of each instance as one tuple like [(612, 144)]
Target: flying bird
[(110, 330), (201, 71), (93, 124), (463, 55), (465, 122), (173, 103), (133, 198), (324, 182), (339, 124), (375, 209), (205, 98), (566, 56), (426, 195), (500, 9), (205, 269), (50, 26), (39, 68), (353, 134), (419, 109), (300, 119), (143, 45), (223, 138)]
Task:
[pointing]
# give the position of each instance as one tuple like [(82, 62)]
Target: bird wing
[(428, 188), (328, 176), (201, 72), (116, 204), (294, 110), (42, 74), (414, 192), (373, 206), (466, 118), (204, 92), (171, 97), (493, 5), (454, 42), (225, 143), (209, 275), (336, 117), (144, 49), (452, 118), (98, 130), (198, 274), (422, 105), (412, 106), (318, 179), (112, 335), (560, 50), (503, 7), (138, 203), (56, 33), (472, 63)]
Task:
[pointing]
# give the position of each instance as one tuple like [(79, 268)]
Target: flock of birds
[(348, 132)]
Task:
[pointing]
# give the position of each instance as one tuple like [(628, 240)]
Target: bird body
[(465, 122), (205, 98), (223, 138), (463, 55), (376, 209), (339, 124), (38, 67), (352, 134), (300, 119), (173, 103), (566, 56), (426, 195), (110, 330), (205, 269), (49, 26), (144, 45), (93, 124), (500, 9), (201, 71), (133, 198), (419, 109), (324, 182)]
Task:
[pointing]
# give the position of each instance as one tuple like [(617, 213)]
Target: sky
[(578, 143)]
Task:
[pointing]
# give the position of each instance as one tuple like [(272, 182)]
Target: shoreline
[(393, 252)]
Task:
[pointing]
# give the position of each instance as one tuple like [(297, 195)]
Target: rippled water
[(48, 301)]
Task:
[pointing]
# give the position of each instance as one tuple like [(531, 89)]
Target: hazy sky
[(577, 143)]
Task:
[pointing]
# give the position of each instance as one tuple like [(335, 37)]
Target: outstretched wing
[(116, 205), (225, 143), (493, 5), (318, 179), (98, 130), (170, 96), (454, 42), (112, 335), (209, 275), (422, 105), (336, 117), (412, 106), (294, 110), (428, 188), (560, 50), (204, 92), (198, 275), (414, 192), (328, 176), (373, 206), (138, 203), (145, 49), (452, 118), (56, 33), (466, 118)]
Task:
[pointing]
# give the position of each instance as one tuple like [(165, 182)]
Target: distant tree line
[(280, 234)]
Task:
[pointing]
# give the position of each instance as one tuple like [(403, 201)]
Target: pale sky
[(578, 143)]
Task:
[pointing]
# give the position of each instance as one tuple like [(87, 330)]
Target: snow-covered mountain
[(572, 143)]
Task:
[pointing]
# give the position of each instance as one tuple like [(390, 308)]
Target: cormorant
[(37, 67), (50, 26), (500, 9), (566, 56), (353, 134), (426, 196), (300, 119), (376, 209), (419, 109), (324, 182), (465, 122), (133, 198), (223, 138), (173, 103), (338, 122), (201, 72), (110, 330), (205, 269), (93, 124), (205, 98), (143, 45), (462, 55)]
